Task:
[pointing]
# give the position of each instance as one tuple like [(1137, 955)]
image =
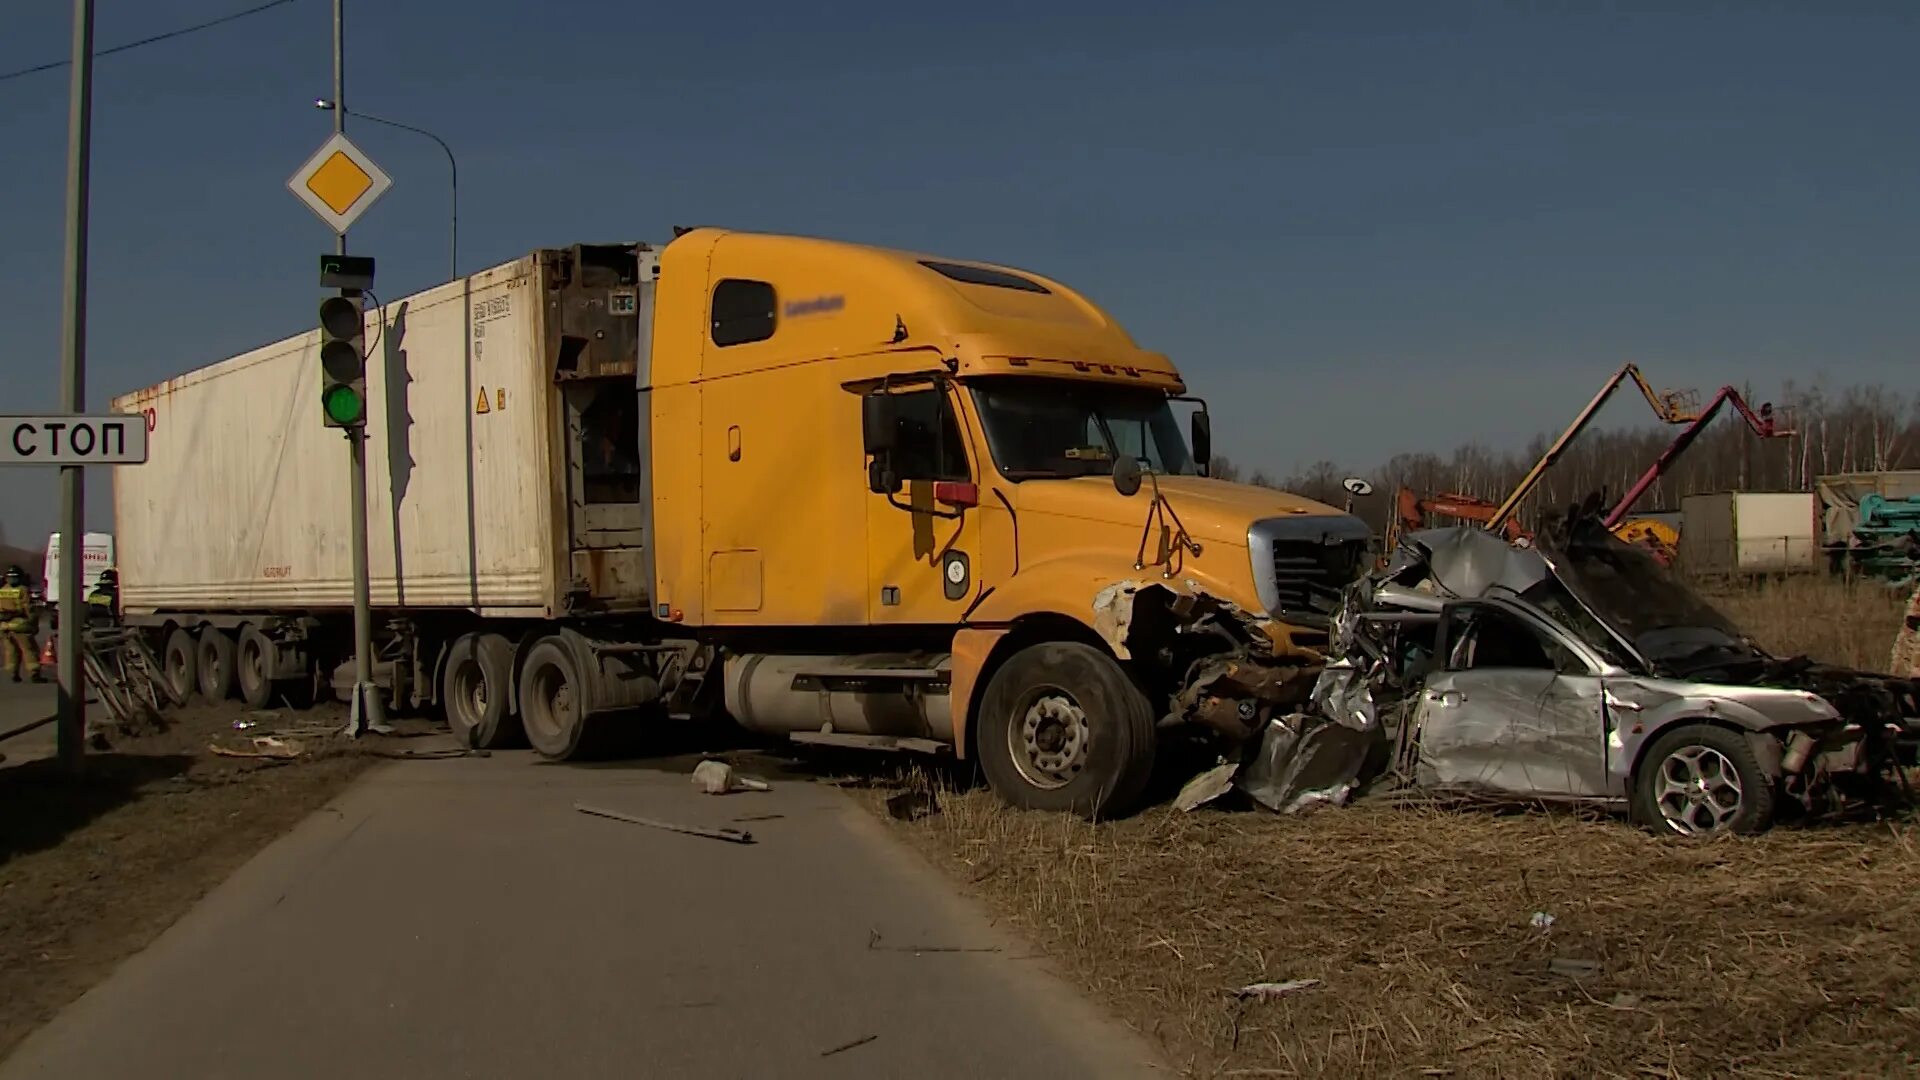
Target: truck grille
[(1302, 564), (1308, 577)]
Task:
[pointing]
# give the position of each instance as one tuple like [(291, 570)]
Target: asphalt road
[(21, 705), (459, 919)]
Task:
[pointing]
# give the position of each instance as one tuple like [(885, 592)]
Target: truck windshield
[(1055, 428)]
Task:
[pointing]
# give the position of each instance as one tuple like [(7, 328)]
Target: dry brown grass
[(1792, 954), (1827, 618)]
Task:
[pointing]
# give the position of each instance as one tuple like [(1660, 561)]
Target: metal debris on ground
[(874, 944), (262, 746), (845, 1046), (1206, 787), (1573, 968), (125, 676), (912, 805), (718, 778), (734, 836), (1267, 991)]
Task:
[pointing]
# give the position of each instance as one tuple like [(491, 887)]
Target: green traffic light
[(343, 405)]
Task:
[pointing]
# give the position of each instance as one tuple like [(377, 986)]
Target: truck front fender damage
[(1218, 664)]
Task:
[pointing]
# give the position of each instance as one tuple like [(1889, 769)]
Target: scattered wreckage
[(1575, 668)]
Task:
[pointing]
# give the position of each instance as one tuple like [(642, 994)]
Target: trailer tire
[(553, 700), (1062, 727), (216, 665), (476, 690), (181, 663), (253, 667)]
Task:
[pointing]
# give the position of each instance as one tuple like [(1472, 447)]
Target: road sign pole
[(71, 716), (368, 713)]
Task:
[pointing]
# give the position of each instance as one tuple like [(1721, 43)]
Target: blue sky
[(1359, 227)]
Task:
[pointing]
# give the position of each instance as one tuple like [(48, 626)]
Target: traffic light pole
[(368, 714)]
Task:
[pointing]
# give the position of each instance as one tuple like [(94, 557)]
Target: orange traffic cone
[(47, 656)]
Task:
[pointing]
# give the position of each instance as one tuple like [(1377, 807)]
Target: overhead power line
[(181, 32)]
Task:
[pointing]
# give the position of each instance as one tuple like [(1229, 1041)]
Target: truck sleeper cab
[(848, 495)]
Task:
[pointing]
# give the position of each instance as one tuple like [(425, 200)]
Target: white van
[(98, 554)]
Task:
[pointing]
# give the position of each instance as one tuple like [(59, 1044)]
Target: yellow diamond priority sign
[(339, 182)]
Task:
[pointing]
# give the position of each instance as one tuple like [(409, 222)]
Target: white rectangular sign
[(113, 439)]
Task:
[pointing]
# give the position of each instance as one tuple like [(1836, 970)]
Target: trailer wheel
[(181, 663), (477, 691), (253, 667), (1062, 727), (553, 700), (216, 664)]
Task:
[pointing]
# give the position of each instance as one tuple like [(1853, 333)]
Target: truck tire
[(477, 691), (181, 663), (216, 665), (1062, 727), (1701, 780), (553, 700), (253, 667)]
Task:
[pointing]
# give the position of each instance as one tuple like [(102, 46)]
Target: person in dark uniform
[(103, 603)]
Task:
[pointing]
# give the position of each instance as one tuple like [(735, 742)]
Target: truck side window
[(610, 444), (927, 444), (743, 312)]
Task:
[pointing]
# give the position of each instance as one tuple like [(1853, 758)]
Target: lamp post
[(453, 171)]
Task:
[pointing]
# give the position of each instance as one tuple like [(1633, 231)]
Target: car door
[(1514, 708)]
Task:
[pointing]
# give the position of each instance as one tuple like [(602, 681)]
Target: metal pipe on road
[(71, 731)]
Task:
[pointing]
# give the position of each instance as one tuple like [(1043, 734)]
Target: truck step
[(870, 742)]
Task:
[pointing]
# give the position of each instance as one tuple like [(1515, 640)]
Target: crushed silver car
[(1578, 669)]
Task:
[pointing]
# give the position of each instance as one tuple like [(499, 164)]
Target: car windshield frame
[(1674, 629), (1027, 418)]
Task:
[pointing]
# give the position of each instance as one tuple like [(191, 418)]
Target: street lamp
[(453, 170)]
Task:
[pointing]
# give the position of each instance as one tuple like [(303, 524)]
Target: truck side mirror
[(1202, 440), (1126, 474), (879, 423)]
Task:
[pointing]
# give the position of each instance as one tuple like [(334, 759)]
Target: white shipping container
[(243, 500), (1750, 532), (96, 550)]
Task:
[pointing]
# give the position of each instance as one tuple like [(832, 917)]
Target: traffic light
[(343, 361)]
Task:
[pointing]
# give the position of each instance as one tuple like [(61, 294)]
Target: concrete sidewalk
[(459, 919)]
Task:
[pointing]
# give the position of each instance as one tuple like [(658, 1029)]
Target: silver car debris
[(1581, 670)]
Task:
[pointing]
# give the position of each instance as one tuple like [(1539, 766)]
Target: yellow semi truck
[(843, 494)]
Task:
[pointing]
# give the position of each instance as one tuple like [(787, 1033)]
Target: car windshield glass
[(1046, 428), (1667, 622)]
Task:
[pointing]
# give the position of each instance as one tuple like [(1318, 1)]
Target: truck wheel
[(1700, 779), (182, 663), (216, 665), (1062, 727), (253, 667), (553, 702), (476, 690)]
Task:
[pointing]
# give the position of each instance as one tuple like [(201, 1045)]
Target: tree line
[(1820, 431)]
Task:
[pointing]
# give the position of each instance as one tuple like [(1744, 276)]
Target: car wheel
[(216, 665), (477, 694), (1699, 780), (181, 662), (1062, 727)]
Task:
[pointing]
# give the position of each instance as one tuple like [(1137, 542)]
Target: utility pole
[(71, 717), (368, 712)]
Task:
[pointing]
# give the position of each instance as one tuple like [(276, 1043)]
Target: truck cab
[(973, 483)]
